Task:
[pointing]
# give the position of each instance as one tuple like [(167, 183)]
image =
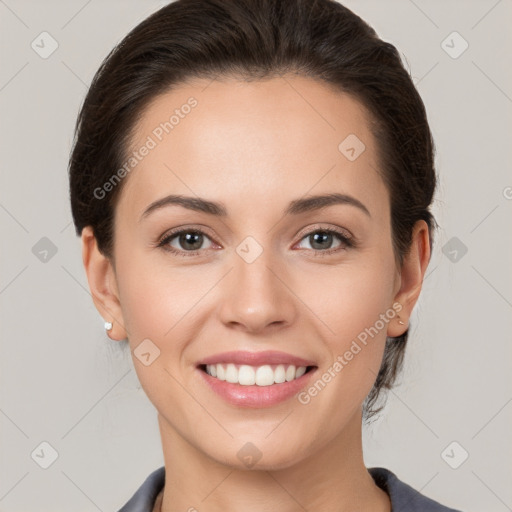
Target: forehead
[(242, 142)]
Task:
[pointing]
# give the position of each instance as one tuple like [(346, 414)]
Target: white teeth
[(231, 374), (246, 375), (279, 374), (290, 373), (265, 376), (221, 373), (300, 372)]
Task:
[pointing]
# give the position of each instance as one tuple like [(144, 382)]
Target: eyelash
[(347, 242)]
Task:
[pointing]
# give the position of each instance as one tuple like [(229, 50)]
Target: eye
[(190, 242), (321, 240), (185, 242)]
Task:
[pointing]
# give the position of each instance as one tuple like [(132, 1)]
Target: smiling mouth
[(263, 375)]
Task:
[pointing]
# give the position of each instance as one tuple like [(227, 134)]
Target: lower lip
[(256, 396)]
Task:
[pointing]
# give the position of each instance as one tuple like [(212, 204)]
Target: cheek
[(351, 297), (154, 296), (354, 302), (156, 306)]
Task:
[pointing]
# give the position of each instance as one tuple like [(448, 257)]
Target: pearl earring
[(108, 326), (400, 321)]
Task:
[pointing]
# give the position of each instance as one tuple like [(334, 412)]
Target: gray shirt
[(403, 497)]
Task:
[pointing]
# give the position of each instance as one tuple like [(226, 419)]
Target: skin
[(256, 146)]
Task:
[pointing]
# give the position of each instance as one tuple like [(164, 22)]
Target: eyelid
[(321, 227), (189, 227), (163, 241), (346, 238)]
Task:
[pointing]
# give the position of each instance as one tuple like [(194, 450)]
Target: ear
[(411, 277), (103, 284)]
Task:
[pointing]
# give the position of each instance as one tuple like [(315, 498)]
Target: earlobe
[(102, 284), (413, 271)]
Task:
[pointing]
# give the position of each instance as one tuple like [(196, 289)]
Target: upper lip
[(256, 358)]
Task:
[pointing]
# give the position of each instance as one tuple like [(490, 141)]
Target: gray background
[(65, 383)]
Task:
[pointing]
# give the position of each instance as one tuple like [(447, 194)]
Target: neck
[(332, 479)]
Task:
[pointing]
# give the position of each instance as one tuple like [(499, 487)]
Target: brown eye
[(186, 242), (322, 240), (190, 240)]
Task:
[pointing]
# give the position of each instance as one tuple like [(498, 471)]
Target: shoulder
[(144, 498), (403, 497)]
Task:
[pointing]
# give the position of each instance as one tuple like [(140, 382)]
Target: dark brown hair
[(251, 40)]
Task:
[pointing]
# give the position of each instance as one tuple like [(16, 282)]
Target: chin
[(258, 456)]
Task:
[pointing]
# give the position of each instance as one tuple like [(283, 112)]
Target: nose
[(257, 295)]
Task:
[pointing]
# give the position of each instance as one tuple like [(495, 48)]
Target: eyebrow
[(296, 207)]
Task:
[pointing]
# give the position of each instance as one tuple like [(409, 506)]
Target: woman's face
[(257, 278)]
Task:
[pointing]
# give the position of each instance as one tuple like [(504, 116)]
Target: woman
[(251, 181)]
